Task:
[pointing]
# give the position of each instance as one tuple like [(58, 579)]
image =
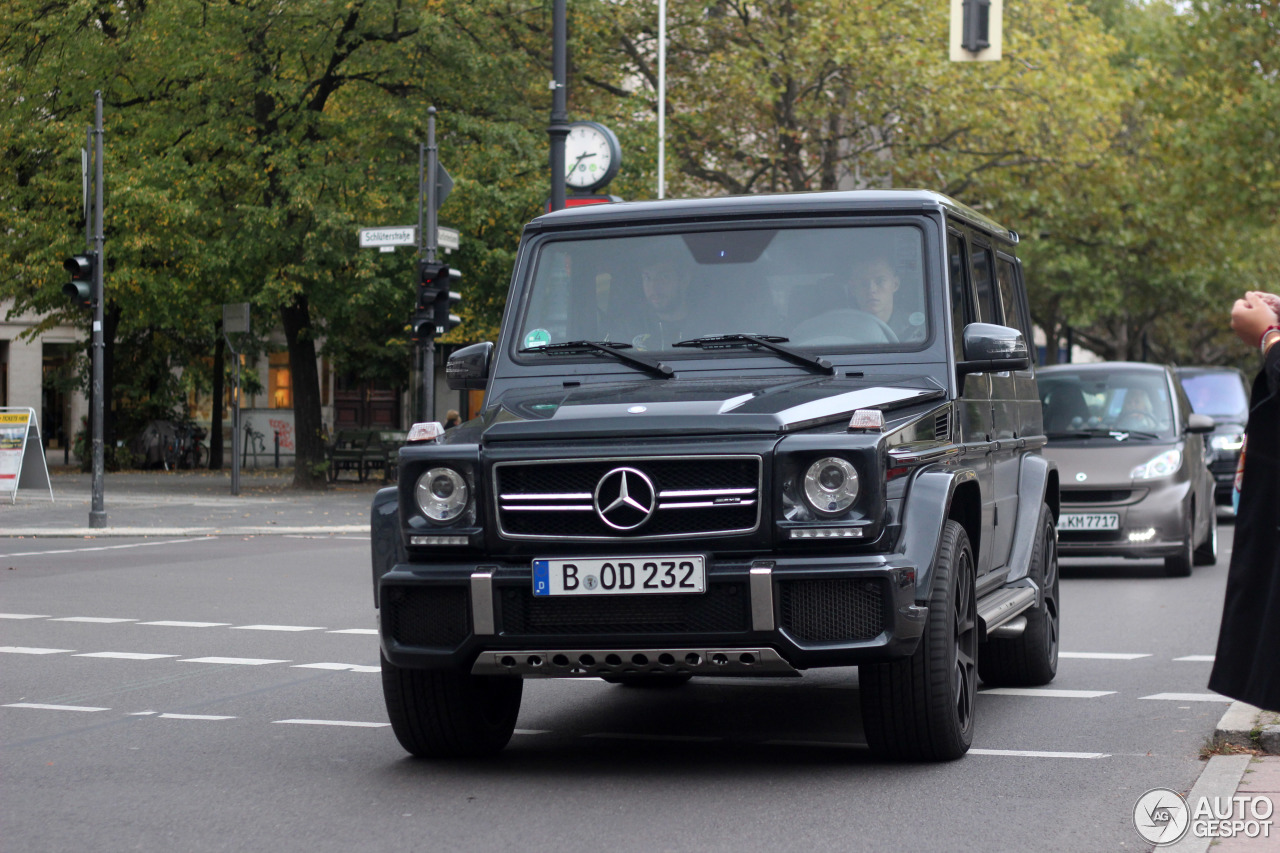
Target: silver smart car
[(1133, 463)]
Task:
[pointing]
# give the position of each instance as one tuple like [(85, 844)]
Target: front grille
[(1067, 537), (832, 610), (723, 609), (1095, 496), (425, 615), (690, 496)]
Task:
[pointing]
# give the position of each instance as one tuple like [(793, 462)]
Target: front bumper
[(1153, 526), (762, 617)]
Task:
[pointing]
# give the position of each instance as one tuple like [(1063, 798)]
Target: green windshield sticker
[(537, 338)]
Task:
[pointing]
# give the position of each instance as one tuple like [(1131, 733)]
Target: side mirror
[(1200, 423), (468, 368), (989, 347)]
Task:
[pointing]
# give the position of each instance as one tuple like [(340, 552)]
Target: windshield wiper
[(1117, 434), (769, 342), (613, 348)]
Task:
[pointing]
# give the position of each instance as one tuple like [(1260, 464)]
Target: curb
[(146, 532), (1219, 780), (1243, 725)]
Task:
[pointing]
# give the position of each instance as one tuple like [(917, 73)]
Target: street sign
[(407, 235), (404, 235), (444, 184), (235, 318)]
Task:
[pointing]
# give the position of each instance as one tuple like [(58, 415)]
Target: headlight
[(442, 494), (831, 485), (1162, 466), (1233, 441)]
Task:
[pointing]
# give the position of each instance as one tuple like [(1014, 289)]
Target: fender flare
[(928, 507), (1037, 477), (385, 540)]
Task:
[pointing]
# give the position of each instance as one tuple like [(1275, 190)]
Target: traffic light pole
[(430, 243), (97, 511)]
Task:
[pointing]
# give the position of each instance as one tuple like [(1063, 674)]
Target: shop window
[(279, 381)]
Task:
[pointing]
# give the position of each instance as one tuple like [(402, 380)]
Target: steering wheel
[(843, 326), (1140, 421)]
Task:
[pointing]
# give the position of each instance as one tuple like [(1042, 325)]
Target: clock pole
[(559, 128)]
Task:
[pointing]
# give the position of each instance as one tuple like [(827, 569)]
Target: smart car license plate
[(1089, 521), (620, 576)]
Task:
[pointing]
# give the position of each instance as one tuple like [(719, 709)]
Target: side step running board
[(1000, 609)]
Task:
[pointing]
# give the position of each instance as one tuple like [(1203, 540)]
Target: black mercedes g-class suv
[(733, 436)]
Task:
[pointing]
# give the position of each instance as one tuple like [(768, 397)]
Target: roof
[(779, 204), (1092, 366)]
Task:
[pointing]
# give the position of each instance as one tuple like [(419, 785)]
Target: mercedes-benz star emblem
[(625, 498)]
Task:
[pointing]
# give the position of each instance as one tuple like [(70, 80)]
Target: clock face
[(591, 156)]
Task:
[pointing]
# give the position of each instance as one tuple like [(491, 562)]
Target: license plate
[(1089, 521), (620, 575)]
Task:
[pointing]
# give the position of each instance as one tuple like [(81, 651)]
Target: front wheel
[(921, 708), (438, 714), (1207, 553), (1179, 565)]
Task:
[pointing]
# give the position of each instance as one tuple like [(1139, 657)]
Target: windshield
[(822, 288), (1106, 401), (1218, 395)]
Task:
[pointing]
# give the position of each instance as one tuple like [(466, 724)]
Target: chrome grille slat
[(707, 495)]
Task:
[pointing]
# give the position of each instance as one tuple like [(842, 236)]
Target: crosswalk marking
[(211, 717), (1103, 655), (350, 723), (1190, 697), (1038, 753), (1197, 658), (24, 650), (22, 616), (370, 631), (123, 655), (339, 667), (100, 620), (172, 624), (1047, 692), (234, 661), (276, 628), (41, 707)]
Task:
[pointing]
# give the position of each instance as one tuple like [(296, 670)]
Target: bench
[(347, 453), (382, 452)]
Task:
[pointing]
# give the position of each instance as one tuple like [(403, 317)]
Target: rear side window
[(958, 273), (984, 285), (1007, 278)]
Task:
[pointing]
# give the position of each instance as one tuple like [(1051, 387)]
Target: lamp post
[(662, 97)]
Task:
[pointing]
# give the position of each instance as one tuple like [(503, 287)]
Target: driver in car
[(1136, 412), (873, 286), (666, 297)]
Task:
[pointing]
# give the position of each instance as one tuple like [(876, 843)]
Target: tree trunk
[(308, 440), (219, 391)]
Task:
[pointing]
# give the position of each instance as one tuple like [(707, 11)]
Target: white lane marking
[(1102, 655), (531, 731), (351, 723), (110, 547), (122, 655), (235, 661), (338, 667), (170, 624), (22, 616), (24, 650), (142, 713), (1198, 658), (1190, 697), (1048, 693), (40, 707), (1038, 753), (276, 628), (192, 717), (680, 738), (101, 620), (355, 631)]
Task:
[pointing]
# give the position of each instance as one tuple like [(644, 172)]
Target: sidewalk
[(1231, 808), (189, 503)]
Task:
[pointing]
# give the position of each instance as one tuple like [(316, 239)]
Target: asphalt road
[(222, 693)]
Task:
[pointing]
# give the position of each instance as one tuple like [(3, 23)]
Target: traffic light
[(82, 268), (443, 314), (433, 278), (423, 326)]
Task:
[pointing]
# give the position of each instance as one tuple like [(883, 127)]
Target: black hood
[(690, 407)]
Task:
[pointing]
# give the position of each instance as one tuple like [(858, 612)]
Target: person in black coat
[(1247, 664)]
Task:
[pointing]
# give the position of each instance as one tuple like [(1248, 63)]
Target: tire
[(1031, 659), (437, 714), (1207, 553), (921, 708), (1179, 565)]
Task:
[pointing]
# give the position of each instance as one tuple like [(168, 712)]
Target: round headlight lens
[(442, 494), (831, 485)]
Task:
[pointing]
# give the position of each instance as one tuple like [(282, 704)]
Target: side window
[(984, 286), (1007, 278), (958, 273)]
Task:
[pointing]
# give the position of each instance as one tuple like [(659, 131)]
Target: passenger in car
[(873, 287), (667, 301)]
